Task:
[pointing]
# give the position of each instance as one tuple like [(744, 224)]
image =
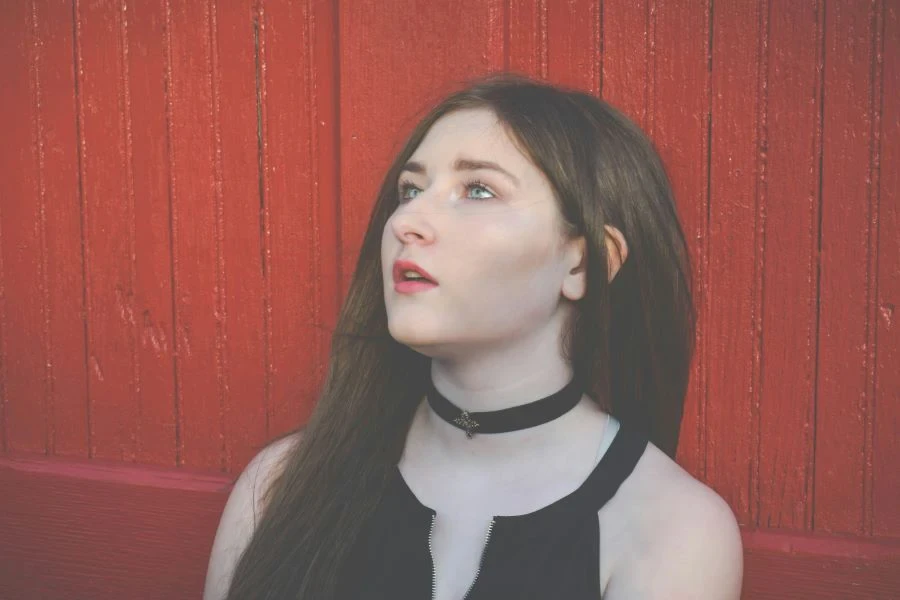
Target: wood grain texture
[(777, 576), (63, 272), (104, 111), (626, 71), (294, 239), (98, 529), (326, 48), (843, 485), (784, 565), (573, 44), (24, 334), (886, 415), (793, 158), (40, 245), (197, 234), (527, 50), (240, 262), (681, 105), (735, 260), (152, 313)]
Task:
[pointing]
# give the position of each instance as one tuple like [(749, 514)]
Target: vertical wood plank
[(326, 85), (153, 244), (886, 449), (573, 44), (24, 351), (64, 274), (107, 187), (197, 205), (528, 38), (425, 62), (789, 304), (734, 259), (843, 416), (238, 165), (290, 175), (626, 75), (265, 210), (682, 105)]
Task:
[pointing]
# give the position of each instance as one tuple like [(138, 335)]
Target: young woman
[(506, 382)]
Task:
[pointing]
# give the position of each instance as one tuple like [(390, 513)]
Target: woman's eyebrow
[(468, 164), (463, 164)]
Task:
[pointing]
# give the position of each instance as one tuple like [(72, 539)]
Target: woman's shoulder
[(266, 465), (673, 532), (242, 509)]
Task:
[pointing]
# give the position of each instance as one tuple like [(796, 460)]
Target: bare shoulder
[(242, 509), (678, 540)]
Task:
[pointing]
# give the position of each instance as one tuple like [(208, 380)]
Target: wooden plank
[(625, 72), (43, 390), (153, 317), (573, 44), (527, 38), (101, 530), (423, 63), (735, 260), (681, 133), (24, 353), (843, 489), (63, 274), (780, 566), (294, 245), (886, 442), (104, 112), (326, 88), (197, 230), (237, 181), (789, 304)]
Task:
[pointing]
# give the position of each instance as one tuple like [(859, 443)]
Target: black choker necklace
[(514, 418)]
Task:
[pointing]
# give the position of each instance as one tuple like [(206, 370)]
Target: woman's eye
[(480, 191), (408, 191)]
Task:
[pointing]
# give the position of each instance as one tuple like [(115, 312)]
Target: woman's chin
[(414, 333)]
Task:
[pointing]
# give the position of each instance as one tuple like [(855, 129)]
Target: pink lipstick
[(404, 285)]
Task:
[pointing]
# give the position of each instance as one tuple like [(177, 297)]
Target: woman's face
[(481, 219)]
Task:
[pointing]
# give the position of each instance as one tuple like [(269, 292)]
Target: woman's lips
[(402, 266), (411, 287)]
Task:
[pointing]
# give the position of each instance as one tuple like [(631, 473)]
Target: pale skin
[(507, 277)]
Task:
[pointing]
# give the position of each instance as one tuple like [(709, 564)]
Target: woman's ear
[(616, 250), (575, 282)]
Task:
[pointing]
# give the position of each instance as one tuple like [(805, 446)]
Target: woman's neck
[(484, 391)]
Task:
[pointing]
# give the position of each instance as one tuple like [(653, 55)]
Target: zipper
[(431, 553), (487, 538)]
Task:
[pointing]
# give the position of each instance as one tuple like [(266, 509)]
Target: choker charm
[(523, 416)]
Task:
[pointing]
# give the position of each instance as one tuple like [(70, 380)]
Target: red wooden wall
[(183, 193)]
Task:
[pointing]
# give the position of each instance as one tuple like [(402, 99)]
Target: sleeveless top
[(553, 552)]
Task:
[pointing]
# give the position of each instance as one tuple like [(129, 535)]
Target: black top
[(553, 552)]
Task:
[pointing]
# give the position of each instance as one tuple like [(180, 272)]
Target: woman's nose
[(411, 226), (415, 219)]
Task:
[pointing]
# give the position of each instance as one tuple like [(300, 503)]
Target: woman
[(505, 389)]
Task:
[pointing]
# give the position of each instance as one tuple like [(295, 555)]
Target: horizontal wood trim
[(94, 530), (783, 565), (97, 530), (789, 542)]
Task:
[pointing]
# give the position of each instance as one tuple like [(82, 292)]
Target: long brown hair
[(630, 340)]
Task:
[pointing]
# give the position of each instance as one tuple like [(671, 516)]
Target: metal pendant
[(467, 423)]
